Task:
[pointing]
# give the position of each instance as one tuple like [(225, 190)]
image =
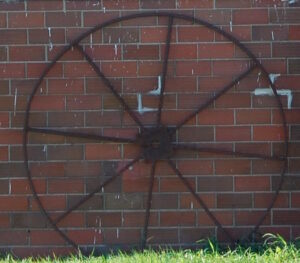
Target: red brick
[(4, 221), (65, 86), (290, 217), (250, 16), (12, 70), (295, 200), (246, 218), (10, 136), (169, 219), (242, 33), (4, 119), (263, 200), (192, 235), (144, 52), (233, 133), (233, 68), (175, 185), (65, 186), (194, 34), (189, 68), (102, 152), (34, 70), (86, 237), (253, 116), (25, 20), (119, 69), (284, 15), (266, 166), (215, 184), (294, 32), (218, 50), (3, 153), (182, 51), (47, 169), (2, 20), (195, 167), (109, 219), (235, 166), (286, 50), (46, 237), (41, 36), (70, 55), (216, 17), (13, 203), (252, 183), (236, 100), (13, 238), (155, 35), (44, 5), (84, 102), (234, 201), (224, 217), (99, 17), (79, 69), (169, 118), (133, 185), (50, 203), (163, 235), (137, 219), (195, 4), (27, 53), (270, 133), (123, 4), (152, 4), (48, 103), (64, 152), (233, 4), (22, 186), (196, 134), (121, 35), (266, 33), (59, 19)]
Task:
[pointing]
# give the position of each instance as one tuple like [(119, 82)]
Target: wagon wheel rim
[(162, 130)]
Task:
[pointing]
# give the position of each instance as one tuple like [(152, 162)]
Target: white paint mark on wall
[(273, 77), (142, 109), (50, 42), (157, 91), (230, 25), (116, 50), (272, 35), (64, 6), (15, 101), (281, 92)]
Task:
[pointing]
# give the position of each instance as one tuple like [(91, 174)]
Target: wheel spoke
[(98, 189), (199, 200), (149, 202), (80, 135), (216, 96), (221, 151), (164, 72), (110, 87)]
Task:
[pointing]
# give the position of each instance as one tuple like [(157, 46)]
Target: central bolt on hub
[(156, 143)]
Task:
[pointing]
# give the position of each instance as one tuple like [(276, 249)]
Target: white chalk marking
[(158, 90), (281, 92), (142, 109)]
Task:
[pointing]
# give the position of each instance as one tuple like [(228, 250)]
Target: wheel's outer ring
[(140, 15)]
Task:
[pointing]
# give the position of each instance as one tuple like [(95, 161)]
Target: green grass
[(275, 249)]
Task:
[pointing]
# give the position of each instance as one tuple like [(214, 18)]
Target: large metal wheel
[(170, 148)]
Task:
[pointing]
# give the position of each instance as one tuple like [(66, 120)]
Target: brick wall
[(238, 129)]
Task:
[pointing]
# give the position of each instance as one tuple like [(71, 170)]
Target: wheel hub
[(156, 143)]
